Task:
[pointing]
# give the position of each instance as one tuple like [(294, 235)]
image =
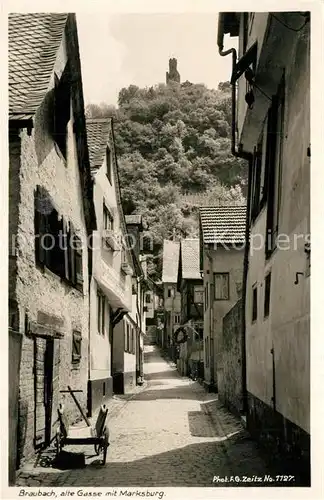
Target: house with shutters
[(222, 243), (271, 71), (171, 295), (190, 287), (51, 218)]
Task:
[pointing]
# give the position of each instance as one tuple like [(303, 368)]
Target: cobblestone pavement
[(170, 433)]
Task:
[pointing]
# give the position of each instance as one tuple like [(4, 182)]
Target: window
[(177, 318), (123, 256), (57, 246), (221, 282), (169, 292), (273, 167), (76, 347), (62, 110), (125, 336), (308, 258), (256, 178), (267, 295), (128, 338), (108, 221), (254, 303), (134, 341), (108, 160), (206, 296), (207, 351), (148, 298), (101, 318), (198, 294)]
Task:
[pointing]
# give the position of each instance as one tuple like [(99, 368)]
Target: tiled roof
[(190, 259), (170, 261), (97, 135), (34, 40), (223, 224), (133, 219)]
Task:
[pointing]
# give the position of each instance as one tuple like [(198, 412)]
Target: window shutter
[(40, 228), (270, 171), (254, 183), (78, 265), (62, 103), (66, 251), (103, 314)]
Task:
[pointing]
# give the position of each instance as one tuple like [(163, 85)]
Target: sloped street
[(171, 433)]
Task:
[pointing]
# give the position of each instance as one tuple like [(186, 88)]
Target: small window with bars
[(267, 295)]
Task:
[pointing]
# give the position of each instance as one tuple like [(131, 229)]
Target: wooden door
[(43, 379)]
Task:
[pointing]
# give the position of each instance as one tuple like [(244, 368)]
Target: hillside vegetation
[(173, 141)]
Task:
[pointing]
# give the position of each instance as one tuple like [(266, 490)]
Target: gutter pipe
[(246, 156)]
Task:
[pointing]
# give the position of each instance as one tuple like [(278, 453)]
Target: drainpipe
[(246, 156), (138, 307)]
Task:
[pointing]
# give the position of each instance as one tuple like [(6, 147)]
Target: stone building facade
[(222, 241), (230, 388), (50, 197), (273, 123)]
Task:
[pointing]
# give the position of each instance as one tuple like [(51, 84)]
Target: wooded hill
[(172, 142)]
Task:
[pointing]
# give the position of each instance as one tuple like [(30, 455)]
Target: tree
[(172, 140)]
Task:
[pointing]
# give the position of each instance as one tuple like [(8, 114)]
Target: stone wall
[(230, 387), (38, 291)]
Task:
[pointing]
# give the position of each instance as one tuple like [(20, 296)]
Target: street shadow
[(199, 425), (180, 392), (218, 412), (162, 375), (188, 466)]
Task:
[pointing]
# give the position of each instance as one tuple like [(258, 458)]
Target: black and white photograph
[(159, 252)]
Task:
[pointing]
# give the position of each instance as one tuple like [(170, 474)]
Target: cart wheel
[(105, 446)]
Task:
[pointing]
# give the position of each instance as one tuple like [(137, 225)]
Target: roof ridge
[(221, 206), (99, 120)]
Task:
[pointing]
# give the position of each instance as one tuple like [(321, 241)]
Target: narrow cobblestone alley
[(171, 433)]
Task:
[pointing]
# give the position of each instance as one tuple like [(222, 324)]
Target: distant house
[(51, 218), (153, 305), (222, 237), (111, 284), (172, 298), (190, 287), (273, 71)]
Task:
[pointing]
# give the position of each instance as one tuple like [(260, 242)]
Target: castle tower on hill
[(173, 74)]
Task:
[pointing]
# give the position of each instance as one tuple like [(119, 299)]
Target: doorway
[(43, 379)]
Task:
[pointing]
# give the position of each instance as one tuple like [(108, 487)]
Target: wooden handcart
[(97, 435)]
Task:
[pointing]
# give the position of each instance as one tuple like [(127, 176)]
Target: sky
[(118, 50)]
